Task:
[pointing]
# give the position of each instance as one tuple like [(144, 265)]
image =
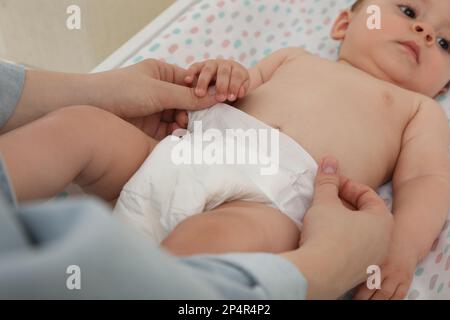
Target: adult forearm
[(325, 270), (45, 91)]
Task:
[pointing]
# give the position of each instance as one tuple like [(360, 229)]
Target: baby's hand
[(232, 80), (397, 273)]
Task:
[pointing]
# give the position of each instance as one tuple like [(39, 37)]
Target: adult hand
[(338, 244), (148, 94)]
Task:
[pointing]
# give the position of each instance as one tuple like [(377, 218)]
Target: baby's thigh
[(236, 226), (117, 150)]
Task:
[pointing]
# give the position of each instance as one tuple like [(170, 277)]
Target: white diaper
[(162, 193)]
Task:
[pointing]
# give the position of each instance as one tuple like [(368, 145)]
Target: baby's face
[(384, 53)]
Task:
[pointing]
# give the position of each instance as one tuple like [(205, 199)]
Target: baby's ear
[(341, 25)]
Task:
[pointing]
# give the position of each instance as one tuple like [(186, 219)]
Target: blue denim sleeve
[(12, 78), (45, 247)]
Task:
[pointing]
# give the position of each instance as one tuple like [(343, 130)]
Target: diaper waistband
[(222, 116)]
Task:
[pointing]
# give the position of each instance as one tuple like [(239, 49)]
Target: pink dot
[(447, 265), (287, 34), (257, 34), (194, 30), (267, 22), (244, 34), (173, 48), (166, 36), (242, 56), (206, 55), (225, 43), (308, 21), (439, 258), (189, 59), (220, 4), (210, 19)]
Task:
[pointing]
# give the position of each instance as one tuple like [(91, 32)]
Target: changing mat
[(248, 30)]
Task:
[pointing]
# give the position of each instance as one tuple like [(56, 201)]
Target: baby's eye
[(444, 44), (407, 10)]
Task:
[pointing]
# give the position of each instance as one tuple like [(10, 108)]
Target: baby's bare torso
[(331, 108)]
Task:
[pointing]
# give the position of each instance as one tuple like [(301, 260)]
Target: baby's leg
[(234, 227), (89, 146)]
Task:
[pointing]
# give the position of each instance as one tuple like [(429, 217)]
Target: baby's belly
[(366, 151)]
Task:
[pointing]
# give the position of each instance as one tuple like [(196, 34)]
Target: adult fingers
[(360, 196), (171, 96), (327, 182)]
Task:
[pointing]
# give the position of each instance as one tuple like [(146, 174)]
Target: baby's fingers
[(223, 81), (387, 291), (238, 78), (363, 292), (181, 118), (193, 71), (207, 73), (244, 89)]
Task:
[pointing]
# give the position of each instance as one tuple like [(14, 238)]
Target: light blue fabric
[(12, 79), (38, 242)]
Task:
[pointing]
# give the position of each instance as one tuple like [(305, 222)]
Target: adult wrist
[(321, 267)]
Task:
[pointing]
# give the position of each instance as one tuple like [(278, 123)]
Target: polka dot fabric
[(248, 30)]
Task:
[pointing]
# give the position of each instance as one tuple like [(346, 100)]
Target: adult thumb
[(173, 96), (327, 181)]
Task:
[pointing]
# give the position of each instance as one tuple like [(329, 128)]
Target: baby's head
[(384, 53)]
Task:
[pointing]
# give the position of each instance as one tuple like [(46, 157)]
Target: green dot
[(154, 47), (419, 272), (447, 248), (137, 59)]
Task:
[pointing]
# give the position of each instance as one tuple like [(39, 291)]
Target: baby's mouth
[(413, 48)]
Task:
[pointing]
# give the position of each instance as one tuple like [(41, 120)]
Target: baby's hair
[(356, 5)]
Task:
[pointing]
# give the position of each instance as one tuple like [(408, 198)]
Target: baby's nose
[(424, 29)]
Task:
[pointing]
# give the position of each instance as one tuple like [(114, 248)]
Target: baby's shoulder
[(428, 116), (292, 53)]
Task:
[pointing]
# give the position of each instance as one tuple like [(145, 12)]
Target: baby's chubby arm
[(234, 81), (421, 186), (265, 69), (421, 182)]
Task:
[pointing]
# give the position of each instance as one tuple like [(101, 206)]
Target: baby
[(372, 109)]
